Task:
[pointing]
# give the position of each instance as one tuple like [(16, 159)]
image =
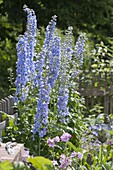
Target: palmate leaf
[(111, 132), (6, 165), (40, 162)]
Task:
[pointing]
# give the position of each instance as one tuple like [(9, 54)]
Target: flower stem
[(101, 155), (39, 147), (112, 161)]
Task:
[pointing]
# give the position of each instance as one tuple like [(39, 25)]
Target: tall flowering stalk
[(63, 93), (21, 71), (25, 53), (52, 42), (41, 116), (31, 30), (52, 66), (46, 64), (78, 55)]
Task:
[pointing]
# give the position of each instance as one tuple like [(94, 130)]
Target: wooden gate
[(97, 89)]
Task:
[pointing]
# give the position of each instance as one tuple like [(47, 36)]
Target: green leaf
[(11, 123), (96, 84), (4, 115), (1, 1), (107, 167), (6, 165), (40, 162), (74, 147), (94, 65), (111, 132)]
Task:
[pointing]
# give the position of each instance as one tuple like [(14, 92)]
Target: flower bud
[(102, 136), (89, 159)]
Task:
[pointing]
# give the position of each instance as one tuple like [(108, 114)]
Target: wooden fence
[(6, 105), (97, 89)]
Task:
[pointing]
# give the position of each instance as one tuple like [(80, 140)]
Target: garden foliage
[(51, 111), (46, 90)]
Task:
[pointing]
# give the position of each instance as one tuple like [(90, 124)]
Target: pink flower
[(64, 161), (73, 154), (80, 155), (62, 158), (25, 155), (110, 142), (65, 137), (51, 143), (57, 139), (54, 162)]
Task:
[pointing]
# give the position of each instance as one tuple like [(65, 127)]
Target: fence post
[(0, 110), (11, 110), (2, 126)]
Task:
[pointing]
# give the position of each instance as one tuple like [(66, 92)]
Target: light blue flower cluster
[(63, 102), (67, 45), (41, 116), (25, 53), (54, 61), (21, 71), (52, 44), (79, 48), (31, 33), (78, 53), (50, 31), (63, 94), (47, 66), (52, 65)]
